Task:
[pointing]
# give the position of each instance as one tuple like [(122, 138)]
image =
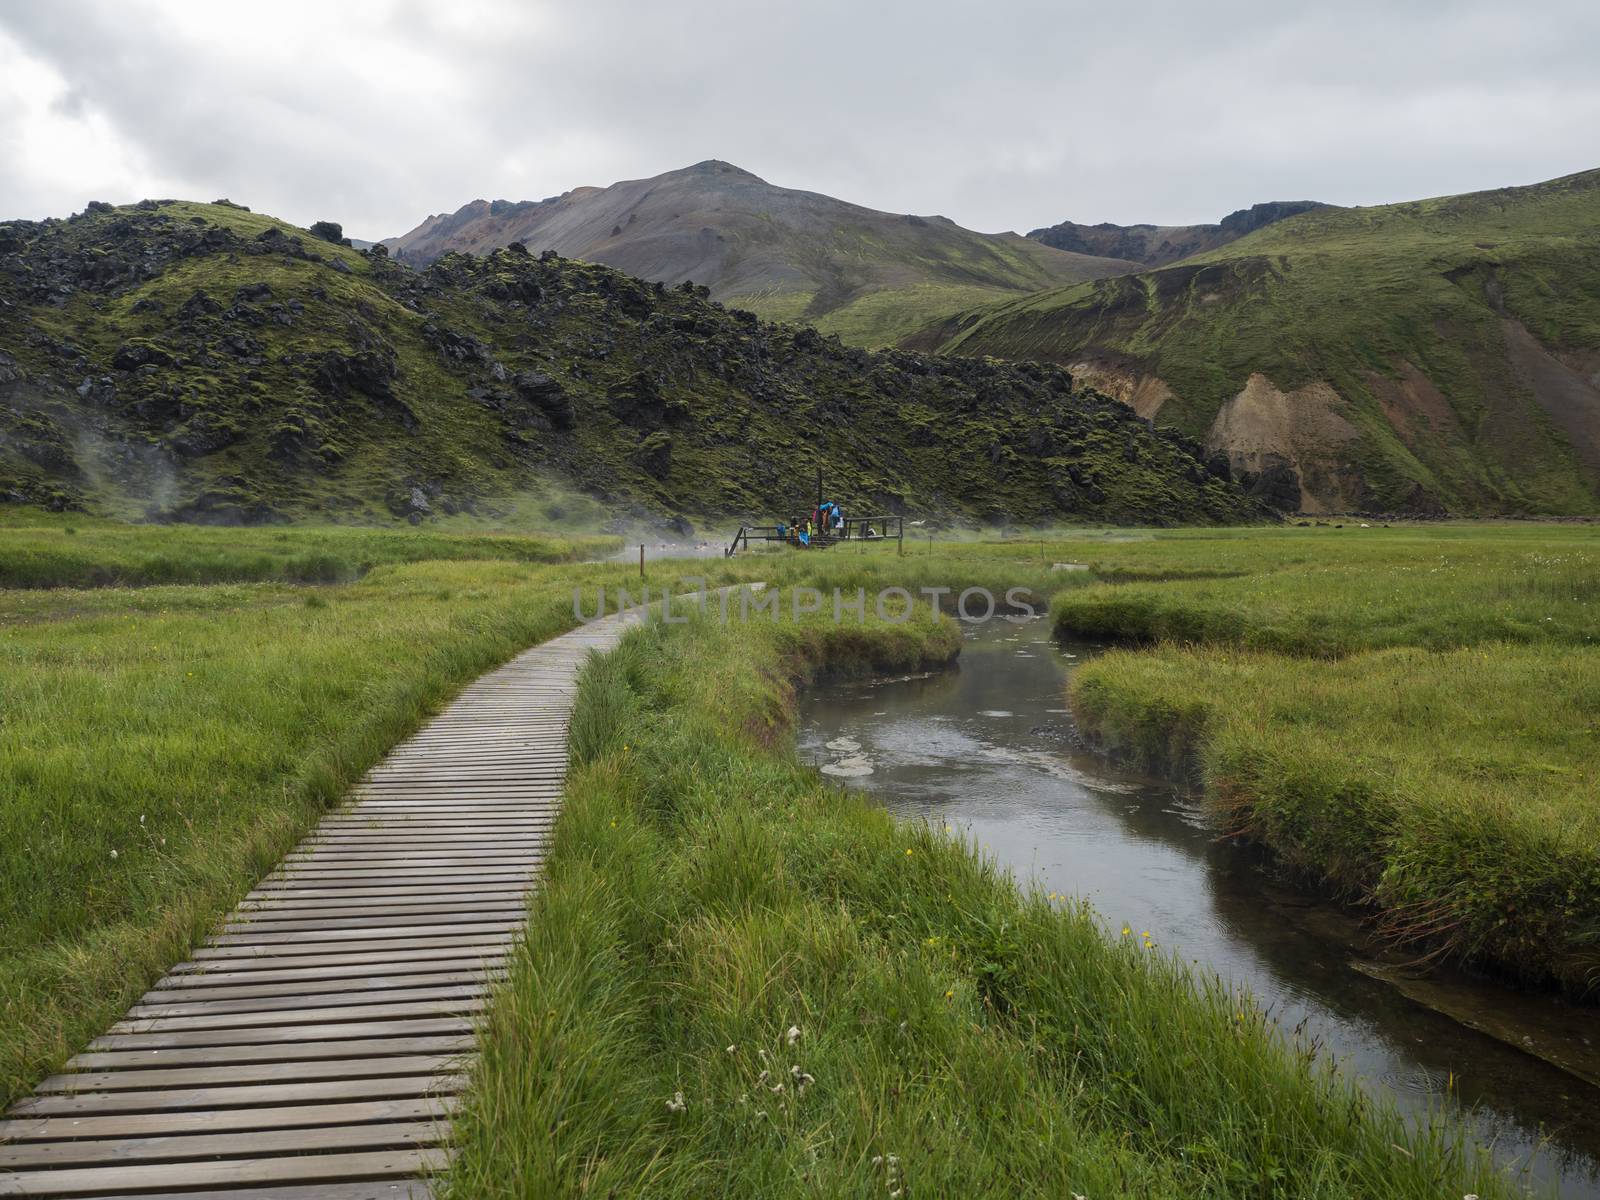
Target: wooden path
[(314, 1048)]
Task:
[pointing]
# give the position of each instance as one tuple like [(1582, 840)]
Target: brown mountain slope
[(869, 276)]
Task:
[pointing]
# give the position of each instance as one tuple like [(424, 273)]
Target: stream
[(989, 748)]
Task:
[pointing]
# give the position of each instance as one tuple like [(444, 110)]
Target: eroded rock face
[(1277, 442), (1139, 390)]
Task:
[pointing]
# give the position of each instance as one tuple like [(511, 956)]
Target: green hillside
[(1437, 354), (200, 362)]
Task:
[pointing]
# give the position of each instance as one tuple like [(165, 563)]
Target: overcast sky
[(1001, 114)]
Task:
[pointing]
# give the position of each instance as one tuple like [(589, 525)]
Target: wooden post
[(641, 560)]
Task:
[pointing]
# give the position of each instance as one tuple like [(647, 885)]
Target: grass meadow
[(1407, 712)]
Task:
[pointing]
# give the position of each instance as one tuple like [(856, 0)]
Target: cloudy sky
[(1002, 114)]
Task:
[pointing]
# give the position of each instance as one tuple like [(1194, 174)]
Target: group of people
[(826, 518)]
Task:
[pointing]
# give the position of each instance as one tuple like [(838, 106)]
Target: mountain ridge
[(784, 253), (1158, 245)]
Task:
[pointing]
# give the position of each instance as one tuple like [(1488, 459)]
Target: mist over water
[(989, 749)]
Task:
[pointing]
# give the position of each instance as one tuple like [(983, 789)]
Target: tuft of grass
[(740, 981)]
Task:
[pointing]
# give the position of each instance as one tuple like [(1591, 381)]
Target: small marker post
[(641, 560)]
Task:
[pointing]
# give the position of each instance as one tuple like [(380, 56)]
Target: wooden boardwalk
[(315, 1047)]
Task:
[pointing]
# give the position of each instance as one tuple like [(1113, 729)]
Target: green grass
[(162, 747), (1410, 715), (880, 317), (706, 891), (717, 927), (40, 550)]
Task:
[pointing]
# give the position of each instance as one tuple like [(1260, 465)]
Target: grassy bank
[(162, 747), (1410, 717), (739, 981)]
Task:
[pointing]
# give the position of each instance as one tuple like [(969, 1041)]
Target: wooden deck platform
[(315, 1047)]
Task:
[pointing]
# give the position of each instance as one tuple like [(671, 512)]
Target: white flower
[(731, 1049), (793, 1035), (113, 854), (877, 1160), (801, 1079), (677, 1104)]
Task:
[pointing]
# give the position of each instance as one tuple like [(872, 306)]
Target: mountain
[(871, 277), (1439, 355), (1157, 245), (180, 361)]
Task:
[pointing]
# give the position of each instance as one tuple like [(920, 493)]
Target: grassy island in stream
[(1409, 714), (741, 981)]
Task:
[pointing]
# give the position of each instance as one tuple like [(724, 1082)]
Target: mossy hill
[(201, 362), (1430, 356)]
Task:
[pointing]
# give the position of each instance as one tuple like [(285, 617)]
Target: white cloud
[(1013, 114)]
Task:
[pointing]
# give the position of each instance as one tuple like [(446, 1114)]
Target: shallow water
[(989, 748)]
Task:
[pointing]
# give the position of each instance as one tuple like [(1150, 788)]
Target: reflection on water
[(989, 748)]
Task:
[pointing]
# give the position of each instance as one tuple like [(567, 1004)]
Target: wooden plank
[(401, 902), (292, 882), (235, 958), (377, 1189), (377, 924), (266, 1095), (302, 909), (226, 1120), (307, 937), (286, 899), (347, 975), (237, 1074), (311, 1168), (204, 1056), (295, 987), (339, 997), (399, 1010), (382, 1136), (371, 860), (296, 1036)]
